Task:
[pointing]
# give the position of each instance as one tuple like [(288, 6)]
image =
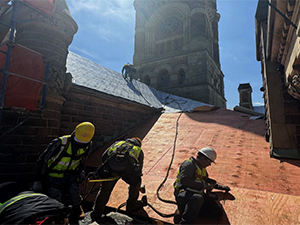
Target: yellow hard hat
[(138, 139), (84, 132)]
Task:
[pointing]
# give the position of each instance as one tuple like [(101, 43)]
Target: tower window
[(163, 78), (147, 80), (198, 25), (181, 76)]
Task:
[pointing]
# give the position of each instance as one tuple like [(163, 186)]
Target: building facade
[(177, 50), (278, 49), (27, 129)]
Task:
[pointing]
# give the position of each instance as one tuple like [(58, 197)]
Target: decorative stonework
[(50, 37), (179, 32)]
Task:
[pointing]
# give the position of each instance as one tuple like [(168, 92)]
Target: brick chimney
[(245, 91)]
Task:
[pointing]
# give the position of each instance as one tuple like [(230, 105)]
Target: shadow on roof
[(228, 118)]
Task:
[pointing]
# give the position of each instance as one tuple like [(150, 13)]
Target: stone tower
[(177, 50), (245, 91)]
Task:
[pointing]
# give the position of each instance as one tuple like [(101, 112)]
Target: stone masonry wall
[(21, 147)]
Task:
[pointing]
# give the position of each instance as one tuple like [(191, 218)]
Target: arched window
[(146, 80), (198, 25), (163, 78), (181, 76)]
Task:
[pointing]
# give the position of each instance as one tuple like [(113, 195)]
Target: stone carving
[(294, 87)]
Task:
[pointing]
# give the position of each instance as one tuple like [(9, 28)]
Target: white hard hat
[(209, 153)]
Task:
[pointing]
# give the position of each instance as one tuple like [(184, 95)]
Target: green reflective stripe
[(17, 198), (64, 141), (65, 162), (199, 175), (115, 147), (177, 181), (134, 151)]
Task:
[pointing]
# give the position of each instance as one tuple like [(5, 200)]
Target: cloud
[(81, 51), (258, 103), (97, 9), (110, 20)]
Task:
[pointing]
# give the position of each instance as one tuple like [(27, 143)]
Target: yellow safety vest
[(200, 175), (66, 163), (134, 151)]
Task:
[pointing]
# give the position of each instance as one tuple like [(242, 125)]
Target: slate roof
[(92, 75)]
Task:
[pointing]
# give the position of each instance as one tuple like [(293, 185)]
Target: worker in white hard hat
[(60, 168), (192, 189)]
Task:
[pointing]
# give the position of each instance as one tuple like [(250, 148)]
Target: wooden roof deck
[(265, 190)]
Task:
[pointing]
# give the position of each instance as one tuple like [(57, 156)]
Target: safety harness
[(66, 161), (121, 148), (200, 175)]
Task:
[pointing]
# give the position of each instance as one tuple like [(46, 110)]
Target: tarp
[(45, 6), (33, 209), (22, 91)]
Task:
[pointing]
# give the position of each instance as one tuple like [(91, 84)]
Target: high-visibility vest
[(17, 198), (133, 150), (67, 161), (200, 175)]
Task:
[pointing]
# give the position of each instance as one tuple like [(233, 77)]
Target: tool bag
[(120, 158), (116, 162)]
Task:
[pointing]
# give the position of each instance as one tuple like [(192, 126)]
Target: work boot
[(177, 217), (95, 216), (137, 206), (76, 214)]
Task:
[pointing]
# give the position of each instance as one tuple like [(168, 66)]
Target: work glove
[(81, 177), (226, 188), (222, 187), (212, 181), (37, 186), (208, 186)]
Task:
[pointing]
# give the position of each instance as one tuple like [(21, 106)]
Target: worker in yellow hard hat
[(59, 168), (123, 159), (193, 189)]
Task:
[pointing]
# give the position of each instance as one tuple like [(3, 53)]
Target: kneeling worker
[(123, 159), (192, 188)]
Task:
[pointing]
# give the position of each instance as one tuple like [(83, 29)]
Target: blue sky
[(106, 36)]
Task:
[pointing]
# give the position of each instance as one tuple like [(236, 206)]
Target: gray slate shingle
[(92, 75)]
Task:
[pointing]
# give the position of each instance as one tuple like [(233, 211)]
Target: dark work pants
[(56, 185), (105, 192), (192, 205)]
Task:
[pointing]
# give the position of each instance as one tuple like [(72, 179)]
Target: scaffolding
[(45, 11)]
